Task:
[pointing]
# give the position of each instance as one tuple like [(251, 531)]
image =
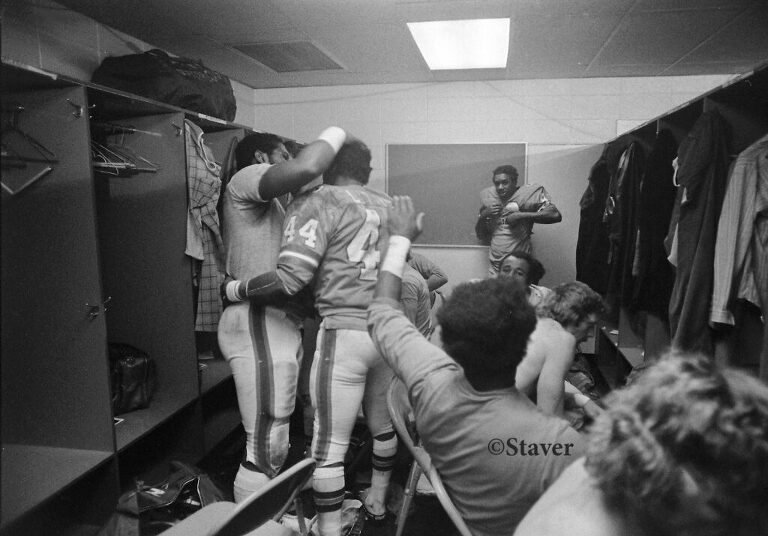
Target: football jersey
[(335, 236), (252, 226), (506, 237)]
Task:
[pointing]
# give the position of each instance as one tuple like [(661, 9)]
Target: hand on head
[(403, 219)]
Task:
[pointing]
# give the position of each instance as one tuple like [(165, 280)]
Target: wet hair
[(485, 327), (570, 303), (535, 268), (353, 160), (684, 449), (258, 141), (506, 170)]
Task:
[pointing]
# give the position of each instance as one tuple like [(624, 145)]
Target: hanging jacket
[(654, 276), (592, 243), (702, 176), (615, 219), (629, 197)]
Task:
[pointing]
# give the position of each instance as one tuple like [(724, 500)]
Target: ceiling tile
[(661, 37), (675, 5), (742, 41)]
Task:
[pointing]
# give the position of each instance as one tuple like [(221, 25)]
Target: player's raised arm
[(290, 175)]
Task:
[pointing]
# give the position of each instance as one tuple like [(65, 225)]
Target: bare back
[(542, 371)]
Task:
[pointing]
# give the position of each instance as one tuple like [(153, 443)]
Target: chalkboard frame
[(436, 174)]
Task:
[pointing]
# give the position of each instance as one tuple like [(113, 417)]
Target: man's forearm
[(262, 289), (548, 214)]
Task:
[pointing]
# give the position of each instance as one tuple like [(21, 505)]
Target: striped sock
[(328, 484), (384, 450)]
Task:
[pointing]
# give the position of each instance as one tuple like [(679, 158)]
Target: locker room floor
[(427, 518)]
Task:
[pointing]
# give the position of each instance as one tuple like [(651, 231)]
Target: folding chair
[(258, 515), (402, 417)]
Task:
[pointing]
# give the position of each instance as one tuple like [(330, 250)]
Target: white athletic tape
[(232, 291), (394, 261), (335, 137)]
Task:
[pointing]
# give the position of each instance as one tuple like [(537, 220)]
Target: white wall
[(49, 36), (562, 120)]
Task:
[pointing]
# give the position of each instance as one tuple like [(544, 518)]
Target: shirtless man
[(566, 318)]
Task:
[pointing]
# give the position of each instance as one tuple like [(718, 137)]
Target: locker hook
[(78, 108)]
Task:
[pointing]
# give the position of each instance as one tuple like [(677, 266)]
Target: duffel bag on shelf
[(181, 82), (133, 377)]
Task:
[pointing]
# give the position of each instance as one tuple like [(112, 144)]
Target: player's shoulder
[(365, 193), (378, 197), (317, 197), (532, 187), (411, 276), (249, 173), (356, 195), (548, 328)]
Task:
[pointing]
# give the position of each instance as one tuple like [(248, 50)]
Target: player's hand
[(490, 212), (403, 219)]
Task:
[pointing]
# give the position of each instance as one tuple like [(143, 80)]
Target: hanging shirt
[(741, 250), (204, 241)]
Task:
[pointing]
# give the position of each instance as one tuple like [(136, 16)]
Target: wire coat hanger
[(19, 149)]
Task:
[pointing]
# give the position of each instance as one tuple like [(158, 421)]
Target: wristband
[(581, 400), (394, 261), (233, 291), (334, 136)]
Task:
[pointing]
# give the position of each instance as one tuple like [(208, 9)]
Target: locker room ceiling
[(370, 43)]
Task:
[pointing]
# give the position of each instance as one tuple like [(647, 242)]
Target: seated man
[(566, 318), (528, 271), (431, 272), (682, 451), (415, 300), (495, 451)]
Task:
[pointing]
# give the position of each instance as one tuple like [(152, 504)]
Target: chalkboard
[(444, 181)]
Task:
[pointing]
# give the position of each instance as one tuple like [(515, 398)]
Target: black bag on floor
[(133, 377), (150, 510), (181, 82)]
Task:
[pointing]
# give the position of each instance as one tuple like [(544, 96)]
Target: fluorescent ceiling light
[(462, 44)]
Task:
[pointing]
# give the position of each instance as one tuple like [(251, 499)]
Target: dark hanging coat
[(702, 176), (592, 244), (619, 211), (654, 276)]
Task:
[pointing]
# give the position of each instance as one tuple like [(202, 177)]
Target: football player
[(262, 344), (334, 237)]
